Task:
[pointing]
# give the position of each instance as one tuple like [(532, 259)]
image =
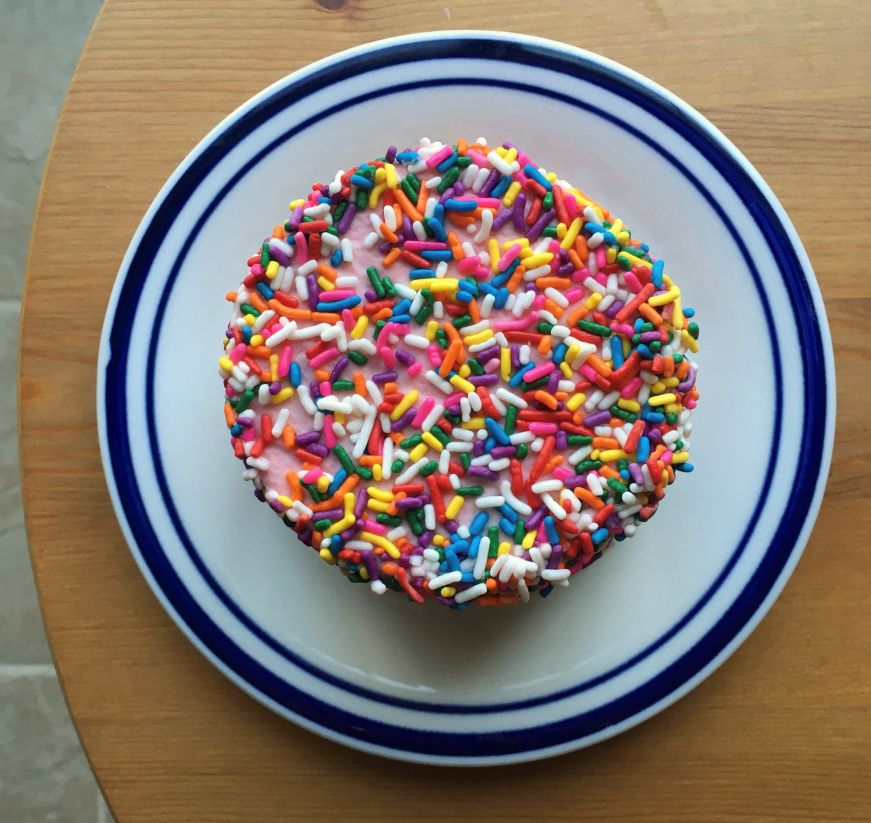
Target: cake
[(455, 375)]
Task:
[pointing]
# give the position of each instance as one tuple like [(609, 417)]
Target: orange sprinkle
[(382, 314), (279, 232), (391, 257), (649, 313), (421, 199), (553, 282), (546, 399), (586, 496), (544, 344), (605, 443), (450, 357), (288, 437), (553, 463), (257, 301), (516, 279), (407, 206), (608, 472), (327, 271), (369, 459), (599, 365), (388, 233), (259, 351), (474, 311), (460, 219), (293, 482), (462, 146), (554, 308), (683, 369), (229, 414), (454, 244), (286, 311), (575, 259), (359, 383), (581, 250), (326, 317), (322, 375)]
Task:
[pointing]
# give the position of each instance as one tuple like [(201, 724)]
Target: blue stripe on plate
[(400, 739)]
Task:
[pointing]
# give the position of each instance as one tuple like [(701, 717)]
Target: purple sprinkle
[(385, 247), (565, 269), (276, 506), (562, 440), (409, 503), (407, 227), (259, 495), (347, 216), (313, 291), (370, 295), (635, 471), (448, 193), (556, 555), (451, 526), (404, 421), (534, 520), (274, 388), (277, 254), (315, 388), (390, 154), (459, 189), (245, 422), (597, 418), (612, 310), (576, 480), (502, 217), (654, 435), (349, 533), (371, 565), (553, 381), (425, 539), (488, 354), (518, 213), (689, 382), (614, 523), (650, 336), (503, 451), (478, 448), (404, 357), (454, 408), (537, 227), (331, 514), (306, 536), (490, 184), (515, 356), (306, 439), (295, 218), (483, 471), (483, 379), (318, 449), (384, 377), (340, 366), (360, 503)]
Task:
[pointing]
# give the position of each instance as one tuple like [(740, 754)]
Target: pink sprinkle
[(238, 352), (481, 272), (571, 205), (256, 270), (435, 357), (483, 202), (348, 319), (543, 429), (324, 357), (301, 247), (666, 456), (329, 434), (325, 388), (477, 158), (538, 302), (539, 371), (632, 281), (508, 258), (468, 264), (515, 325), (573, 295), (424, 245), (387, 355), (601, 256), (424, 410), (312, 475), (631, 388), (415, 369), (337, 294), (561, 473), (373, 526), (523, 159), (284, 360), (622, 328), (454, 399), (442, 154)]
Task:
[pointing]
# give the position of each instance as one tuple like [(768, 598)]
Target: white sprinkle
[(538, 271), (432, 418), (370, 239), (264, 318), (481, 558), (387, 458), (284, 333), (521, 437), (280, 422), (487, 304), (474, 400), (499, 465), (305, 398), (434, 378), (363, 439), (446, 579), (395, 534), (609, 400), (516, 503), (416, 341), (260, 463), (334, 404), (470, 594), (558, 511), (594, 484), (509, 397), (523, 590), (328, 239), (374, 391), (581, 454), (492, 501), (459, 447), (470, 175), (486, 225), (483, 174), (555, 575), (411, 471), (444, 461), (263, 394), (367, 347), (377, 586), (308, 267), (498, 163), (550, 485)]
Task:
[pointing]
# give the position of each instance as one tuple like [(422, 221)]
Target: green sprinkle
[(464, 162), (313, 492), (588, 465), (441, 338), (244, 400), (358, 358), (594, 328), (414, 182), (429, 468), (465, 461), (388, 519), (264, 254), (421, 317), (449, 179), (389, 288), (617, 486), (343, 385), (671, 418), (678, 359), (340, 210), (410, 442), (438, 433), (462, 321), (616, 411), (511, 420), (547, 202), (579, 440), (693, 329), (247, 308), (362, 199), (522, 450), (396, 465), (375, 280), (363, 472), (344, 459), (549, 231), (320, 525), (475, 366), (519, 531), (544, 328), (493, 534), (470, 491)]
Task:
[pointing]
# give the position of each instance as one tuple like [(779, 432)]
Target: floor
[(44, 775)]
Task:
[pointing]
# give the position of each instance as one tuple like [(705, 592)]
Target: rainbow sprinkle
[(456, 376)]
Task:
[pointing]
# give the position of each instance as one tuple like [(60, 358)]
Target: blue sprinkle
[(639, 322), (338, 478), (235, 430), (247, 331), (599, 535), (510, 515), (644, 351), (624, 473), (421, 274), (531, 171), (338, 305), (407, 157), (437, 255), (401, 318), (447, 162), (497, 431), (643, 450), (559, 353), (465, 297), (683, 467), (476, 542), (479, 523), (438, 213), (507, 526), (336, 258), (467, 577), (550, 531), (517, 377), (267, 293), (295, 375), (651, 416), (361, 182), (501, 187), (452, 559), (402, 306), (656, 273), (502, 298), (488, 289), (438, 230), (617, 350), (489, 444), (546, 590), (460, 205), (689, 311)]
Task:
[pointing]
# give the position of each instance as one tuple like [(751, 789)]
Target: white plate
[(632, 633)]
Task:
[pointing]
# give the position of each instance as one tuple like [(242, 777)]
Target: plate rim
[(621, 72)]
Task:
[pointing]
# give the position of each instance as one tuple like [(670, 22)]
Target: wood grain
[(780, 732)]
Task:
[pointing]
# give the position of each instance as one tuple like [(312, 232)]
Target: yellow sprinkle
[(623, 239), (272, 269), (493, 249), (629, 405), (479, 337), (594, 455), (339, 417), (462, 384), (273, 367), (376, 471), (677, 315), (510, 155), (662, 399), (285, 501), (250, 319), (670, 382), (521, 241), (294, 203), (611, 254), (505, 364), (453, 508), (673, 408), (504, 548), (500, 151), (658, 387), (436, 285), (363, 572), (664, 299), (687, 339), (566, 369), (226, 363), (431, 328), (680, 457), (380, 175), (405, 404), (439, 539), (327, 556), (561, 230), (360, 327), (593, 300), (528, 540), (285, 394), (379, 494), (572, 234), (322, 483), (349, 503), (390, 176), (464, 370), (417, 452), (610, 455), (383, 542), (377, 505), (325, 284), (375, 194), (339, 525), (474, 424), (432, 441), (635, 259), (540, 259), (511, 194), (447, 591), (616, 226), (574, 402)]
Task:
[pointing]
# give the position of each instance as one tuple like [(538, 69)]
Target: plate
[(632, 633)]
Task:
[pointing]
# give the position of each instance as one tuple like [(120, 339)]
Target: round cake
[(455, 375)]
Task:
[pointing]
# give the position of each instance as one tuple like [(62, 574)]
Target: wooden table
[(781, 731)]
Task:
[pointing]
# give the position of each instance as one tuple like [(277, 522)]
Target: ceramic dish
[(633, 632)]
